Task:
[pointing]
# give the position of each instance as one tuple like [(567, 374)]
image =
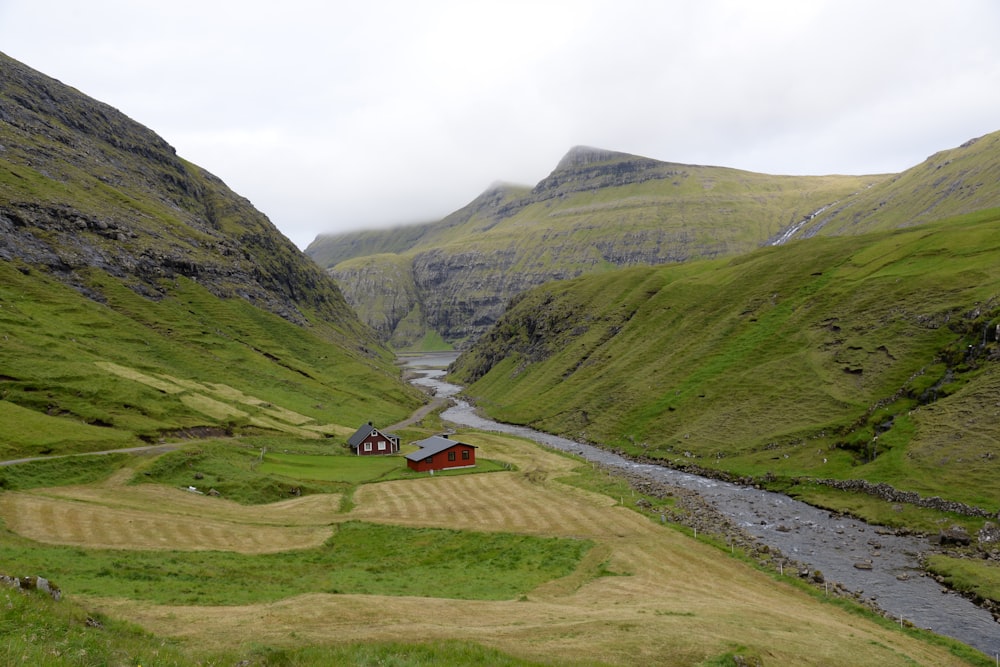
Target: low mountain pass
[(877, 566)]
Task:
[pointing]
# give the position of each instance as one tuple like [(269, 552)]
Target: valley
[(178, 384)]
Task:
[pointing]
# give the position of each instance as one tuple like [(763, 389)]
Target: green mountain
[(140, 298), (949, 183), (598, 210), (866, 356)]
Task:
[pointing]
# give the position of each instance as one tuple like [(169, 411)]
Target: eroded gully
[(832, 544)]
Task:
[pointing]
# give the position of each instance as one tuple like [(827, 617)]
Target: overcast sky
[(332, 116)]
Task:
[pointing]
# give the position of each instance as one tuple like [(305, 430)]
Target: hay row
[(60, 521)]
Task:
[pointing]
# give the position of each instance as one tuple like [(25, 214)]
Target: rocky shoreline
[(879, 490), (691, 510), (882, 569)]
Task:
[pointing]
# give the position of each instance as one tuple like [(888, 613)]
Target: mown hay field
[(645, 594), (117, 515)]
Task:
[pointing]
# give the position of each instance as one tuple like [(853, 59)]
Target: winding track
[(165, 447)]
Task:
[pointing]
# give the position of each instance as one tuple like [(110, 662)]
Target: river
[(819, 540)]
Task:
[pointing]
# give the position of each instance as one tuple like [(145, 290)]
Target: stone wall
[(893, 495)]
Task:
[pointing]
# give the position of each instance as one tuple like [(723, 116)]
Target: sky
[(334, 116)]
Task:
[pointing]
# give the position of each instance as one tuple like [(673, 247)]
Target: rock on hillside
[(597, 210), (83, 187), (587, 168)]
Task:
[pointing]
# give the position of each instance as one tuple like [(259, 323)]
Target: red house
[(368, 441), (440, 453)]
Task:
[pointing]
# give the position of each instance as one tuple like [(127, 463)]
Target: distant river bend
[(804, 533)]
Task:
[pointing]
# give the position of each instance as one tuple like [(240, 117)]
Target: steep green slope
[(868, 356), (78, 375), (140, 297), (82, 185), (953, 182), (598, 210)]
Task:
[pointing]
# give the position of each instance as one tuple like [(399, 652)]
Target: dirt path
[(156, 449), (420, 413)]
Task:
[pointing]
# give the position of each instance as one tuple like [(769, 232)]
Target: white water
[(794, 229)]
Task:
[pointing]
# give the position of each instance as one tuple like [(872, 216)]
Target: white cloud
[(338, 115)]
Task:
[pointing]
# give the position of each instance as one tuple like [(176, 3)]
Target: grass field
[(508, 566), (351, 469), (981, 578)]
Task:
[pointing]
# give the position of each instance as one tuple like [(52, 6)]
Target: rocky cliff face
[(597, 210), (85, 188), (586, 168)]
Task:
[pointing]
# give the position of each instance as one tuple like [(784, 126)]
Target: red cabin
[(368, 441), (440, 453)]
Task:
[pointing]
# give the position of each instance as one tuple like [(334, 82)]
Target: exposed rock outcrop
[(32, 583), (90, 189)]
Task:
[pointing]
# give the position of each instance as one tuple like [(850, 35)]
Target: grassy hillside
[(870, 356), (81, 375), (84, 187), (141, 299), (953, 182), (597, 211)]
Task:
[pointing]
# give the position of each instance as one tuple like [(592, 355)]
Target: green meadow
[(38, 631), (359, 557)]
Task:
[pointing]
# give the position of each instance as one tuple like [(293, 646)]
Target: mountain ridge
[(600, 209), (597, 210), (950, 182)]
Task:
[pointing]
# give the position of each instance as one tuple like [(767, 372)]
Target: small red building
[(368, 441), (440, 453)]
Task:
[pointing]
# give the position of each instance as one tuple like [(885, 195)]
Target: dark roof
[(359, 436), (364, 431), (433, 445)]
